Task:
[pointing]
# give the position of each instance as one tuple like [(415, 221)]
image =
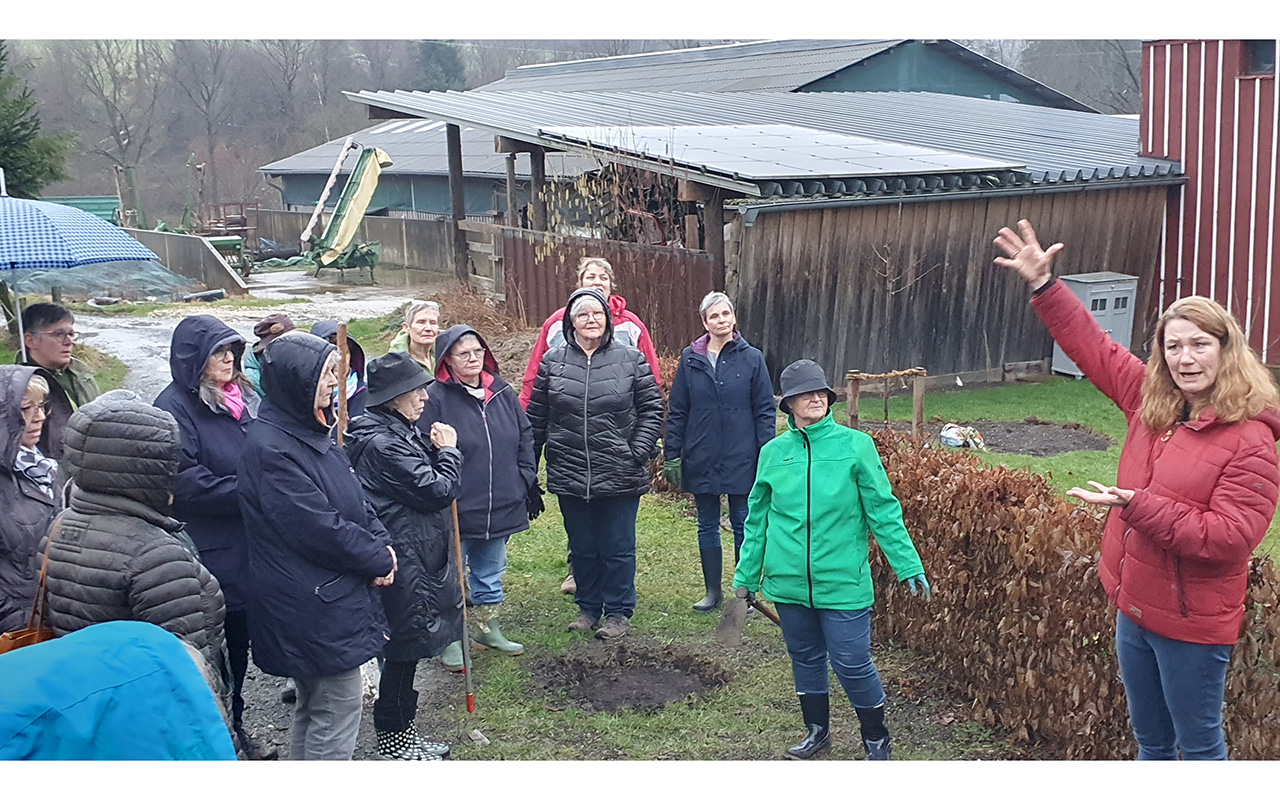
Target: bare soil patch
[(639, 674), (1029, 437)]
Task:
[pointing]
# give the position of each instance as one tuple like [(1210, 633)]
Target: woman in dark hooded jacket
[(214, 403), (598, 411), (499, 479), (28, 487), (316, 550), (357, 393), (411, 488)]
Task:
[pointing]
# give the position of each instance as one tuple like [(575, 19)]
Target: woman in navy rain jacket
[(214, 403), (722, 413), (498, 472), (316, 551)]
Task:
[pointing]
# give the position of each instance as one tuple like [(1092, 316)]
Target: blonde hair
[(1244, 387), (596, 261), (38, 385)]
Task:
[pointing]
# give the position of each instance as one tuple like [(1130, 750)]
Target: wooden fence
[(425, 244), (662, 285)]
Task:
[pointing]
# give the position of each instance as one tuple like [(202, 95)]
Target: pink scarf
[(234, 399)]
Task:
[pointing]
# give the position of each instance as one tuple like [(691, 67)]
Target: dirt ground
[(1030, 437)]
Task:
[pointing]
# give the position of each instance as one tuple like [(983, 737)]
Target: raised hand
[(1024, 254), (443, 435)]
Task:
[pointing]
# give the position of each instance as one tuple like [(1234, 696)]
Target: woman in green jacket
[(819, 487)]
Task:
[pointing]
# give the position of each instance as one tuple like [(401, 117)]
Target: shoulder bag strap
[(37, 610)]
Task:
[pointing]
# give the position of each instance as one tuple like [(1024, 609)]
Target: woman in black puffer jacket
[(117, 554), (598, 410), (410, 488)]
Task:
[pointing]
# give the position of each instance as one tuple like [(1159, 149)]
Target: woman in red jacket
[(1195, 493)]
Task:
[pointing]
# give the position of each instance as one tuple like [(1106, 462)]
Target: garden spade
[(733, 618)]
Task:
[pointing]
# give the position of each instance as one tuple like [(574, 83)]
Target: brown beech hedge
[(1019, 623)]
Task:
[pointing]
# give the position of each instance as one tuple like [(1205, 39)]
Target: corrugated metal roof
[(1055, 145), (417, 147), (771, 65)]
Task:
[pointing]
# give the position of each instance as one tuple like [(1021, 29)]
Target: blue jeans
[(602, 539), (1175, 691), (486, 563), (812, 633), (708, 506)]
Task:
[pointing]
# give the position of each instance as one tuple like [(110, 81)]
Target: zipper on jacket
[(484, 418), (808, 514), (1182, 599), (586, 442)]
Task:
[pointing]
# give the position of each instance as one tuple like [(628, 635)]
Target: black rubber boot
[(875, 736), (712, 574), (817, 717)]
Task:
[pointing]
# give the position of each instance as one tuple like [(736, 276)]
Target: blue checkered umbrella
[(39, 235)]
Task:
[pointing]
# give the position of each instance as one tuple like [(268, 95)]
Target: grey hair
[(710, 300), (582, 300), (417, 307), (38, 385)]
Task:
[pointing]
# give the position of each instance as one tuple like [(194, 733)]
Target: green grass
[(144, 309), (108, 370)]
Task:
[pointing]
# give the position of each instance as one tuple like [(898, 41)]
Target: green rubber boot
[(488, 634), (451, 658)]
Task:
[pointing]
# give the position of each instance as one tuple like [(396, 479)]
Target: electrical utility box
[(1110, 297)]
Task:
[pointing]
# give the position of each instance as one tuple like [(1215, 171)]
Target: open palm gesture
[(1025, 256)]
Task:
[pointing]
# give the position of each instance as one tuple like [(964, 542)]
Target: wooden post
[(917, 406), (458, 201), (344, 369), (513, 218), (538, 187), (854, 387), (55, 294), (713, 231)]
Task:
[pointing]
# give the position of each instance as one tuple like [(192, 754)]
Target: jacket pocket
[(337, 587)]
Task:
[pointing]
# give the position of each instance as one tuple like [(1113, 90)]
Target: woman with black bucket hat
[(819, 487), (411, 486)]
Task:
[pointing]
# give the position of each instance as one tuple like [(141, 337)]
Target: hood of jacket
[(194, 340), (13, 387), (326, 328), (290, 374), (701, 345), (567, 321), (119, 445), (447, 339)]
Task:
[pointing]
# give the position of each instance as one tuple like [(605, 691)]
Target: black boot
[(251, 749), (817, 717), (875, 736), (712, 575)]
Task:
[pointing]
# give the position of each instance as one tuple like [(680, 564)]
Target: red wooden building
[(1211, 104)]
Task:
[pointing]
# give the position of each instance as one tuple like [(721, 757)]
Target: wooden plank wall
[(812, 283), (662, 285)]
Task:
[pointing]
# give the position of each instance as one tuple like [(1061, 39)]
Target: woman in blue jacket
[(214, 403), (722, 413), (316, 553), (498, 472)]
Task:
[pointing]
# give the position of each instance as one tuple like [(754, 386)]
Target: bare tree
[(120, 84), (1103, 73), (202, 71), (290, 59)]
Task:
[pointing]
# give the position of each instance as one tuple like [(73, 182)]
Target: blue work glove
[(919, 584)]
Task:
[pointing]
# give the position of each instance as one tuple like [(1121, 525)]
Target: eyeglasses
[(61, 336), (222, 353), (583, 316), (29, 412), (469, 355)]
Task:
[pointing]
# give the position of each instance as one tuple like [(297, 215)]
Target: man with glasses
[(49, 336)]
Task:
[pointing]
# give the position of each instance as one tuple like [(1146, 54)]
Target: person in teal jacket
[(819, 487), (115, 691)]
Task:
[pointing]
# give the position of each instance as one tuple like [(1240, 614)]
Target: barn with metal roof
[(856, 228), (795, 65)]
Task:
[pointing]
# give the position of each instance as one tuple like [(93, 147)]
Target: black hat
[(800, 377), (393, 375)]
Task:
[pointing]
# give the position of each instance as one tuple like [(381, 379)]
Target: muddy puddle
[(635, 674)]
